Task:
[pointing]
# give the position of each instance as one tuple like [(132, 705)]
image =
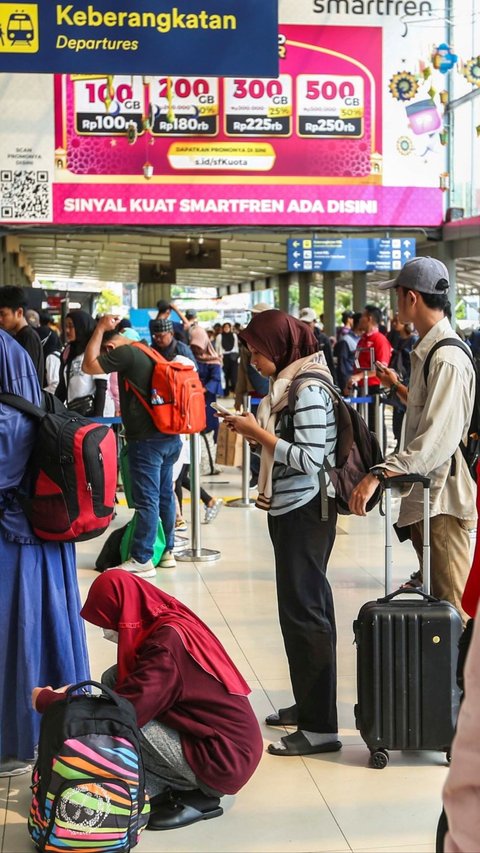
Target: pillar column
[(452, 275), (149, 294), (444, 253), (393, 299), (304, 289), (359, 281), (329, 302), (283, 292)]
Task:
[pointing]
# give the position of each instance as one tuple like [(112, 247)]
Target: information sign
[(339, 255), (230, 37)]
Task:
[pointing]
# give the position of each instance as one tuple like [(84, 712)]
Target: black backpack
[(73, 470), (470, 450), (88, 783), (357, 449)]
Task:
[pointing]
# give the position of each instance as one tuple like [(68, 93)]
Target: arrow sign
[(349, 254)]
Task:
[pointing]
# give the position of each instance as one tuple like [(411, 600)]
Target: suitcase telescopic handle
[(407, 480), (103, 687), (407, 591)]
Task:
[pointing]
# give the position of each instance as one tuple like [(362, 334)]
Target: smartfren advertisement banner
[(349, 133), (208, 37)]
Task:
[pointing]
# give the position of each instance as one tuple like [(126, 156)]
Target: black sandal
[(283, 717), (182, 808)]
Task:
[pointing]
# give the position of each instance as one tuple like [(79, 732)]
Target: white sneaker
[(12, 767), (143, 570), (181, 543), (211, 512), (168, 561)]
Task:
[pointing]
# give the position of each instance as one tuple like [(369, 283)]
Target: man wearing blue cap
[(437, 420)]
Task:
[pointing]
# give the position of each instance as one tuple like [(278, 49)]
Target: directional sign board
[(233, 38), (339, 255)]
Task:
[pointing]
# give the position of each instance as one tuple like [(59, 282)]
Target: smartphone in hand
[(379, 367), (221, 410)]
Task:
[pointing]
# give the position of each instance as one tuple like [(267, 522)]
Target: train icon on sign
[(20, 28)]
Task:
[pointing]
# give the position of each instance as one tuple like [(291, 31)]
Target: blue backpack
[(259, 383)]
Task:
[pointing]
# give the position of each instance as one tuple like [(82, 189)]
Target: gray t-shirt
[(132, 364)]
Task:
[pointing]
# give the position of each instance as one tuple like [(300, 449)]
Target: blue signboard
[(224, 38), (340, 255)]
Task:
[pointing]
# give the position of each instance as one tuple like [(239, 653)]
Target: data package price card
[(108, 106), (258, 107), (184, 106), (330, 105)]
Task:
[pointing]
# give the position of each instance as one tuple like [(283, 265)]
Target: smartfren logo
[(18, 28)]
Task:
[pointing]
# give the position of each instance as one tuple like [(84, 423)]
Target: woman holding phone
[(293, 488)]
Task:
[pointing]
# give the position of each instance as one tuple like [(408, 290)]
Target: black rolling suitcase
[(406, 659)]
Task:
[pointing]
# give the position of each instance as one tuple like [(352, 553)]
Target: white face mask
[(110, 634)]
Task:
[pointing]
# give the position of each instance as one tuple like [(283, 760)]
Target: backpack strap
[(22, 405), (327, 386), (453, 342), (446, 342), (154, 356)]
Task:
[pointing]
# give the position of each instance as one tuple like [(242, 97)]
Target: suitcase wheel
[(448, 755), (379, 759)]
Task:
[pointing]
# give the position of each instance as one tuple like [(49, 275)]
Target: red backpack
[(177, 398), (74, 472)]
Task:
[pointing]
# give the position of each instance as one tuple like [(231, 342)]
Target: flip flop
[(297, 744), (283, 717), (183, 808)]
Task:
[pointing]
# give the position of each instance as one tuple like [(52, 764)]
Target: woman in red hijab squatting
[(199, 736)]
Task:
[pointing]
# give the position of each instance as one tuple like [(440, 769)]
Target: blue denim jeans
[(151, 463)]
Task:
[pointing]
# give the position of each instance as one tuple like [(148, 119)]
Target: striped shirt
[(297, 464)]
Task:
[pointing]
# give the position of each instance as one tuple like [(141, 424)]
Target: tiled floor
[(331, 803)]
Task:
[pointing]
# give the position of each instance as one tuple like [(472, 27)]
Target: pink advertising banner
[(112, 204), (303, 149)]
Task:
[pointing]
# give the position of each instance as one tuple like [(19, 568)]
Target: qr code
[(25, 195)]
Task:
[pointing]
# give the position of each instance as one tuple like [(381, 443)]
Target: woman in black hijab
[(227, 344), (80, 392), (297, 439)]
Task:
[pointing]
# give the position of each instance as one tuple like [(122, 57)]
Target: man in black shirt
[(13, 305)]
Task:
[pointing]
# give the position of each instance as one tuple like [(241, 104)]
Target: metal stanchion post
[(379, 420), (244, 501), (196, 553), (354, 394), (364, 406)]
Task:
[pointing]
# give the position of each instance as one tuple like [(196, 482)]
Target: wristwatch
[(379, 473)]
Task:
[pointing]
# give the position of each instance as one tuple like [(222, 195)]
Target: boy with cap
[(437, 419)]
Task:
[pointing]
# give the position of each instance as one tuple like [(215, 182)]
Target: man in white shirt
[(437, 419)]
